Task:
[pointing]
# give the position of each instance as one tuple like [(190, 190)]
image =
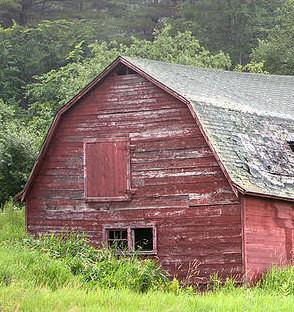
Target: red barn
[(174, 162)]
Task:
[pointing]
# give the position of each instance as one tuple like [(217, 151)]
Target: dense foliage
[(29, 51), (18, 150), (47, 46), (232, 26), (277, 50)]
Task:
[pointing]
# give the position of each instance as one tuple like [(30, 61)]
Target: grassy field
[(56, 275), (76, 299)]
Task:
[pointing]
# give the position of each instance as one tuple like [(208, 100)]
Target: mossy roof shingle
[(248, 119)]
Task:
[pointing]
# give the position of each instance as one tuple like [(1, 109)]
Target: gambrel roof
[(246, 118)]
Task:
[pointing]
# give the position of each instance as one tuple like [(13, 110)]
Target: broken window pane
[(143, 239), (118, 239)]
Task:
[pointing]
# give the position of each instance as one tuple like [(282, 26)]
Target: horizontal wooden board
[(176, 182)]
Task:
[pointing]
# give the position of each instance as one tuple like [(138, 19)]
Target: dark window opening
[(291, 144), (124, 70), (118, 239), (143, 239)]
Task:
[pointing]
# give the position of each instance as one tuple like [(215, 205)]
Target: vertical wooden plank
[(268, 226), (106, 168), (122, 167)]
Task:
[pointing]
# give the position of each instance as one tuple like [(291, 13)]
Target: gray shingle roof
[(248, 119)]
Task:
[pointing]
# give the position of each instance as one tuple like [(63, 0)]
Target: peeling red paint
[(268, 234), (175, 180)]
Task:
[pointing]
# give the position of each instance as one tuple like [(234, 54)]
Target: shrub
[(123, 272), (17, 156), (101, 267)]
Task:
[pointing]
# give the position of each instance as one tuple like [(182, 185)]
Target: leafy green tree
[(252, 67), (50, 91), (18, 149), (10, 81), (182, 48), (232, 26), (25, 52), (277, 51), (16, 160)]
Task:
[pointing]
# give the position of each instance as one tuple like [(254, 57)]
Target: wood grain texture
[(268, 234), (106, 169), (175, 181)]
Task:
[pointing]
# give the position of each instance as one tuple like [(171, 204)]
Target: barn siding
[(268, 234), (111, 171), (176, 182)]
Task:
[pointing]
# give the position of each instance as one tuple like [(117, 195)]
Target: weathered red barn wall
[(178, 185), (268, 234)]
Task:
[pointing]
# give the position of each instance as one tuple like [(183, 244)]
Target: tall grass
[(278, 280), (101, 267), (65, 273), (32, 269), (12, 227), (72, 254), (21, 298)]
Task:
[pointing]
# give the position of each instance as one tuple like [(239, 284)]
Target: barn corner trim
[(237, 189)]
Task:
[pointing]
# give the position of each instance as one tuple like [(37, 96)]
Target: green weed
[(102, 267), (64, 273), (279, 280), (12, 228), (33, 268)]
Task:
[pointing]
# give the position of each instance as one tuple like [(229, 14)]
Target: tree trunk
[(43, 7), (81, 6), (26, 6)]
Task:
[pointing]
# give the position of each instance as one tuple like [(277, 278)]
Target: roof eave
[(245, 192)]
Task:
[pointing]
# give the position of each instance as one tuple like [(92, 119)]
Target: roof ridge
[(269, 95), (132, 58)]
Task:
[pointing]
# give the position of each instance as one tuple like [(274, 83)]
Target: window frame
[(130, 232), (117, 229), (127, 196)]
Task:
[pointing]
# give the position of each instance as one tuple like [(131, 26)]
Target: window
[(143, 239), (118, 239), (140, 239), (106, 165), (122, 70)]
